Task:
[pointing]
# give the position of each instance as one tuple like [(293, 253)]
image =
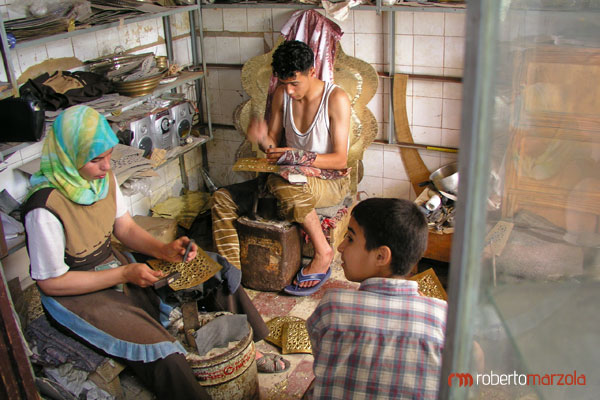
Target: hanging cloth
[(321, 34)]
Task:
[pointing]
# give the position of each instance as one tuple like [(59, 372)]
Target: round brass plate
[(140, 87)]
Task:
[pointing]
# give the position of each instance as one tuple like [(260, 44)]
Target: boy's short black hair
[(290, 57), (397, 224)]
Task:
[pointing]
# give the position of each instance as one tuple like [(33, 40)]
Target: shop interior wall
[(429, 43)]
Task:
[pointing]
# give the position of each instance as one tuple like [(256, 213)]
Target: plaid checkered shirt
[(383, 340)]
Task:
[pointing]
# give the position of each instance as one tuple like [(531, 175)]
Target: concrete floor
[(292, 383)]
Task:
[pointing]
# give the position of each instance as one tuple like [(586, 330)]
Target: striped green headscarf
[(78, 135)]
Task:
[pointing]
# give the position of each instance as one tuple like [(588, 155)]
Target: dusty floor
[(292, 383)]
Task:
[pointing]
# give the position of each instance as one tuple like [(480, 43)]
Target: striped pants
[(295, 202)]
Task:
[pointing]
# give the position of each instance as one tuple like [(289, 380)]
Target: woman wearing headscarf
[(86, 286)]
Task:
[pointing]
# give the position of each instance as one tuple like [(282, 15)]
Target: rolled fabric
[(297, 157)]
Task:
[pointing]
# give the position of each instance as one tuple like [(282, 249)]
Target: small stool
[(270, 253)]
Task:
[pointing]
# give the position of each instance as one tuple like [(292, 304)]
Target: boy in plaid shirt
[(383, 340)]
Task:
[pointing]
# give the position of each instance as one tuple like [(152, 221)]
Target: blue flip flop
[(296, 290)]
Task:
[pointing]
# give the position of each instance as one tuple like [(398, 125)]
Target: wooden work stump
[(269, 253)]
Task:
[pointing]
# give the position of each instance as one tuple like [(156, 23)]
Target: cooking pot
[(445, 180)]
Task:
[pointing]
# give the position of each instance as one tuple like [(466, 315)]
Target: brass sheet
[(193, 273), (163, 229), (255, 164), (429, 284), (294, 338), (413, 163), (184, 208), (275, 326)]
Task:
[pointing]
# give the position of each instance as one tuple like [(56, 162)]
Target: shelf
[(8, 148), (139, 18), (405, 6), (5, 93), (184, 77), (13, 248), (179, 151)]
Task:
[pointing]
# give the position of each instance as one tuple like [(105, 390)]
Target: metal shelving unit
[(11, 90), (378, 7), (197, 59), (192, 10), (94, 28)]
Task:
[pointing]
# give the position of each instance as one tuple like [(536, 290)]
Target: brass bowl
[(141, 87)]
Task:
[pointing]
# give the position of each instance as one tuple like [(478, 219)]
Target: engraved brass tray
[(193, 273), (429, 284)]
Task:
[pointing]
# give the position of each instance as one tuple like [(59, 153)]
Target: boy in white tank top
[(307, 114)]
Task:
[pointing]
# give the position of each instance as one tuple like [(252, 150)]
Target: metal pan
[(445, 180)]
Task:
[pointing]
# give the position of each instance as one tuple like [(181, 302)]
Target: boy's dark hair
[(290, 57), (397, 224)]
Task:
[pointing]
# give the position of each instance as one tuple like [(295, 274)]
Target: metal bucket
[(230, 375)]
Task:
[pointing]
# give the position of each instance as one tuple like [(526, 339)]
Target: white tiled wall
[(427, 43)]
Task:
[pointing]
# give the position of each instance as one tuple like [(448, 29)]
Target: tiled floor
[(292, 383)]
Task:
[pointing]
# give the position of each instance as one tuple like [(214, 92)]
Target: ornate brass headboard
[(356, 77)]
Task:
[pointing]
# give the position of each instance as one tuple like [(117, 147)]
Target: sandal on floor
[(270, 363), (296, 290)]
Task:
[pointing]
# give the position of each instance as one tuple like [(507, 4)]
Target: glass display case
[(525, 268)]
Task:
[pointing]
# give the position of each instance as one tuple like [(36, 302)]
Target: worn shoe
[(270, 363)]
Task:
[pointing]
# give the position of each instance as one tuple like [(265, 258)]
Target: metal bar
[(195, 57), (431, 147), (225, 66), (392, 70), (296, 6), (204, 68), (8, 66), (465, 267), (183, 172), (168, 37), (456, 79), (194, 43)]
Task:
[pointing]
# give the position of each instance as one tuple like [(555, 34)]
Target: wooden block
[(269, 253)]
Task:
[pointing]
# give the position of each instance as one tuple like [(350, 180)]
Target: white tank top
[(317, 138)]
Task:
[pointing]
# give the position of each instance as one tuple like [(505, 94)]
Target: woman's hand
[(141, 274), (175, 250)]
